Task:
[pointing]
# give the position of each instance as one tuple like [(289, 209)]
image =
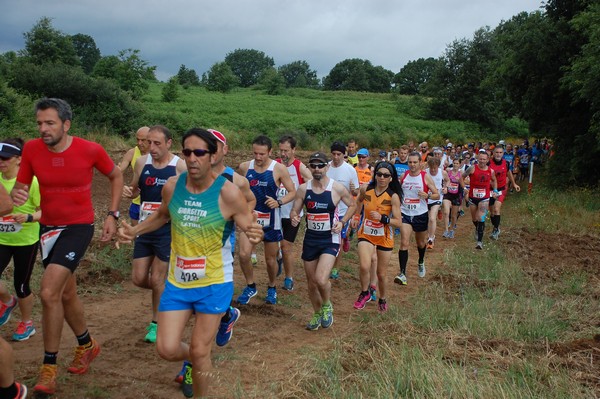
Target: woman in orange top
[(380, 203)]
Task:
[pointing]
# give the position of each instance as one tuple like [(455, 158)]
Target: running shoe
[(279, 263), (245, 296), (181, 375), (373, 292), (479, 245), (362, 300), (326, 316), (6, 310), (495, 234), (345, 244), (288, 284), (226, 328), (400, 279), (422, 269), (451, 234), (445, 234), (187, 386), (21, 391), (46, 382), (151, 335), (314, 323), (271, 298), (461, 213), (83, 357), (382, 306), (253, 259), (24, 331), (430, 244), (335, 274)]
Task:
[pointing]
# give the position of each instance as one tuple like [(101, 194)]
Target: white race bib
[(453, 188), (47, 241), (147, 209), (411, 204), (318, 221), (188, 270), (479, 193), (263, 218), (373, 228), (9, 225)]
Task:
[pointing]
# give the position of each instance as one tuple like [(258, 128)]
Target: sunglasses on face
[(362, 156), (384, 175), (317, 165), (198, 152), (4, 158)]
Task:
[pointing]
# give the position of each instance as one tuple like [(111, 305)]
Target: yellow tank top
[(136, 155)]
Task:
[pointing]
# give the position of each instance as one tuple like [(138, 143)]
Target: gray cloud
[(199, 33)]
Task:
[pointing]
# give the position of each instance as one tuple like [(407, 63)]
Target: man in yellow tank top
[(129, 160)]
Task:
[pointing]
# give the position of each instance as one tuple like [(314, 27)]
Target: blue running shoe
[(335, 274), (226, 328), (187, 387), (6, 310), (24, 331), (288, 284), (181, 375), (326, 315), (271, 298), (245, 296)]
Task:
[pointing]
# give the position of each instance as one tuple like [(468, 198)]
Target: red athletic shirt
[(480, 183), (65, 179), (500, 171)]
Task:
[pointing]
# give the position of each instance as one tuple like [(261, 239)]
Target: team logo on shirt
[(155, 181), (258, 183)]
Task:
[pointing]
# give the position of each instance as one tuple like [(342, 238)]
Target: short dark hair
[(263, 140), (61, 106), (203, 135), (288, 139), (163, 130)]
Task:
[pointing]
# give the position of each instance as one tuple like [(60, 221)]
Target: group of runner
[(189, 213)]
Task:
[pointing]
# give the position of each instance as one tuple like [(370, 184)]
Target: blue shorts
[(419, 223), (153, 245), (213, 299), (272, 235), (70, 246), (134, 211), (311, 250)]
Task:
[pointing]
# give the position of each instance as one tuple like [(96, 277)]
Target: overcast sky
[(322, 32)]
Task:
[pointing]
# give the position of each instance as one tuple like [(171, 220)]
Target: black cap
[(318, 156), (9, 150), (337, 146)]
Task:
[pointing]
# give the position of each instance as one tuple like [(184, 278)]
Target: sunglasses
[(384, 175), (198, 152), (317, 165), (5, 158), (362, 156)]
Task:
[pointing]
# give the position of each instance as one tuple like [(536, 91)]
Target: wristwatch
[(279, 203), (115, 214)]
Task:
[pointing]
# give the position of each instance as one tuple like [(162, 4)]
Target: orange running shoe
[(83, 358), (46, 382)]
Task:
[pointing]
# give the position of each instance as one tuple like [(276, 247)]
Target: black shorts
[(158, 245), (476, 201), (455, 199), (70, 246), (433, 204), (378, 247), (289, 232), (419, 223)]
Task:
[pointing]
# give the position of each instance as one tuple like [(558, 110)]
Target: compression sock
[(50, 357), (9, 392), (403, 259), (421, 254), (496, 221), (480, 231), (84, 339)]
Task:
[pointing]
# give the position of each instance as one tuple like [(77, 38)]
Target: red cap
[(218, 135)]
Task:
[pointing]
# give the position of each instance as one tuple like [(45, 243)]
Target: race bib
[(47, 241), (147, 209), (263, 218), (373, 228), (318, 221), (479, 193), (188, 270), (453, 188), (411, 204), (9, 225)]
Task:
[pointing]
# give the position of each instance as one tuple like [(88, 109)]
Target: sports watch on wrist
[(115, 214), (279, 203)]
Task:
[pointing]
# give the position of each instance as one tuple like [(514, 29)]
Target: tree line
[(539, 67)]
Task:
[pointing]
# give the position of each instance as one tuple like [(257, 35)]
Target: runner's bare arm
[(133, 190), (435, 194), (298, 204), (511, 177), (446, 179), (346, 198), (180, 167), (19, 194), (233, 206), (396, 220), (126, 159), (116, 191), (242, 183), (304, 172), (282, 176), (6, 203)]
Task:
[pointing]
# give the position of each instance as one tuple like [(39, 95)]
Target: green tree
[(358, 75), (170, 91), (45, 44), (187, 77), (221, 78), (298, 74), (248, 64), (272, 81), (86, 50), (415, 75), (127, 69)]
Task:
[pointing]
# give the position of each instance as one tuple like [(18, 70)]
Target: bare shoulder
[(240, 181)]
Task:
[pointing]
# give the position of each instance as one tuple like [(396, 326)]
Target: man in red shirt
[(64, 166)]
